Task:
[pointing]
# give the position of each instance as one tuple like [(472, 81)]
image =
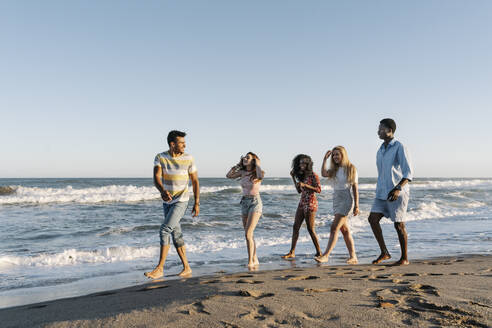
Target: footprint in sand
[(323, 290), (229, 324), (235, 276), (411, 274), (479, 304), (376, 269), (249, 281), (383, 276), (152, 288), (257, 294), (200, 308), (421, 304), (428, 289), (260, 313), (296, 278), (212, 281), (385, 304), (401, 282), (194, 308)]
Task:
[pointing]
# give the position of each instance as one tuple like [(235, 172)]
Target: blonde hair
[(350, 169)]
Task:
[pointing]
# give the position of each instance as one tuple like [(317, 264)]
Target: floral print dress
[(309, 202)]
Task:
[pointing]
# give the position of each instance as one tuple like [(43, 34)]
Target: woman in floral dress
[(307, 184)]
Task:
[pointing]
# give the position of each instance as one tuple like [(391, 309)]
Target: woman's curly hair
[(296, 162)]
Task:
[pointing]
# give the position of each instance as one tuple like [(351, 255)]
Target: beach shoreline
[(446, 291)]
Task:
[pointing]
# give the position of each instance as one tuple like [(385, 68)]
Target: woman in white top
[(343, 177), (248, 170)]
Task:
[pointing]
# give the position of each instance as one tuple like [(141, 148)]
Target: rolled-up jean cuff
[(170, 227)]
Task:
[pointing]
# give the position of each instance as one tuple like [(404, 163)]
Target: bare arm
[(355, 191), (234, 173), (165, 195), (324, 171), (259, 173), (196, 193), (296, 184), (316, 187)]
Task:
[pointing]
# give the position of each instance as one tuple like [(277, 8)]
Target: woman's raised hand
[(328, 153)]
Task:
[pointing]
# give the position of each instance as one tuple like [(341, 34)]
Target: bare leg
[(255, 257), (337, 223), (349, 241), (186, 267), (374, 219), (310, 216), (159, 269), (295, 233), (402, 237), (249, 228)]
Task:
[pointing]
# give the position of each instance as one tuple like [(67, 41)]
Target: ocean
[(70, 237)]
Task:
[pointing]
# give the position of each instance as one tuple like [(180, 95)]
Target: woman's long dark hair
[(296, 167), (253, 171)]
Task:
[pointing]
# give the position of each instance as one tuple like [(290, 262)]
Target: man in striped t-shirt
[(172, 171)]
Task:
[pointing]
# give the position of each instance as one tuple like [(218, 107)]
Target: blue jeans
[(173, 213)]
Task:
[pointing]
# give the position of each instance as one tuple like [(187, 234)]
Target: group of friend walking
[(174, 168)]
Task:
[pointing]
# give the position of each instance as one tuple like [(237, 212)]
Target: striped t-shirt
[(175, 174)]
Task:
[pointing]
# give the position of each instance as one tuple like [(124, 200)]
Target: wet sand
[(453, 291)]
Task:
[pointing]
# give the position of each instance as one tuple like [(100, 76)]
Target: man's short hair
[(389, 123), (171, 137)]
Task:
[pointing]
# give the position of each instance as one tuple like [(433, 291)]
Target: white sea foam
[(74, 257), (198, 245), (130, 193)]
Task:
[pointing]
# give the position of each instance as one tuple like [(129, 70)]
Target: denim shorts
[(394, 210), (251, 204)]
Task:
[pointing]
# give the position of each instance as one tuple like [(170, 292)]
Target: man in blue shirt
[(392, 190)]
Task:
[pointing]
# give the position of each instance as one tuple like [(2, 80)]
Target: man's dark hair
[(171, 137), (389, 123)]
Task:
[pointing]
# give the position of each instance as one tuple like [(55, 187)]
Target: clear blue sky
[(91, 88)]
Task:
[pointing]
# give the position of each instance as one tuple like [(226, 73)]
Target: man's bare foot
[(382, 257), (352, 260), (321, 259), (289, 255), (401, 262), (186, 272), (154, 274)]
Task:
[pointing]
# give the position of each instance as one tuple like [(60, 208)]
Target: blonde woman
[(343, 177), (249, 172)]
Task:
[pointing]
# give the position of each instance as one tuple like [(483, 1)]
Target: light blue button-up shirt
[(393, 164)]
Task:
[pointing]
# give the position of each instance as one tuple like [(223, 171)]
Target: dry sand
[(452, 292)]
